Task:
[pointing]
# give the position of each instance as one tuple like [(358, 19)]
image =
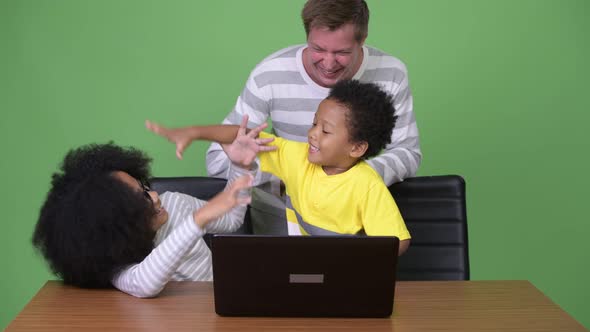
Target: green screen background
[(500, 90)]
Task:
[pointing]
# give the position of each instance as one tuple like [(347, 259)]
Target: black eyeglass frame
[(146, 189)]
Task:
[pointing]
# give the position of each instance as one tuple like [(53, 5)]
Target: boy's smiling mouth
[(313, 148)]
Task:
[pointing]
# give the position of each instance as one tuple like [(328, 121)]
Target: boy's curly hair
[(93, 224), (371, 113)]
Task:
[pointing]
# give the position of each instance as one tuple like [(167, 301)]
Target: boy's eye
[(325, 132)]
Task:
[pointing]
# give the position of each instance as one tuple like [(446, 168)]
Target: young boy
[(330, 188)]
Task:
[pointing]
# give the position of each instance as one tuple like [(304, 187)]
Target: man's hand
[(181, 137), (243, 150)]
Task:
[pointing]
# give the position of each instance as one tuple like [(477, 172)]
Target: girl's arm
[(148, 278)]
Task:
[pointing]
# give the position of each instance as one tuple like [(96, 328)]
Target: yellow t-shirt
[(346, 203)]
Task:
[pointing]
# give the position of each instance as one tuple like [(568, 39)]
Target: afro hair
[(371, 115), (92, 224)]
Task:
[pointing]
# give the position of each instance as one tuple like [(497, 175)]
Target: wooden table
[(419, 306)]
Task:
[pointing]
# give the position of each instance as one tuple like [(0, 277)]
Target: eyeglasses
[(146, 190)]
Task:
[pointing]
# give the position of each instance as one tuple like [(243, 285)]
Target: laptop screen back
[(304, 276)]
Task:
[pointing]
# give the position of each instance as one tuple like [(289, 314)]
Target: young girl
[(101, 225)]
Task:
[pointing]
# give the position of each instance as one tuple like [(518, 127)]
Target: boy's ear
[(359, 149)]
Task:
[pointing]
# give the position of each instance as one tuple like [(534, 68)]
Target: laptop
[(304, 276)]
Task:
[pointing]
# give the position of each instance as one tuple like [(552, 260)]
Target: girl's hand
[(224, 201)]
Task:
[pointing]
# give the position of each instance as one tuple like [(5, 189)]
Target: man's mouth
[(330, 73)]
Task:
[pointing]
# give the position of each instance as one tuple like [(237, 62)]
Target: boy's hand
[(181, 137), (243, 150)]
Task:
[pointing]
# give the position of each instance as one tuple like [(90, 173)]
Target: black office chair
[(200, 187), (434, 210)]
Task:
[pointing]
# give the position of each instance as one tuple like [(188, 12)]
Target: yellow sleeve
[(381, 215), (274, 162)]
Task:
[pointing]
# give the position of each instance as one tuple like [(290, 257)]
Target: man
[(288, 86)]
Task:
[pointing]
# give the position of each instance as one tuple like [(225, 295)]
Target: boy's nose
[(310, 133)]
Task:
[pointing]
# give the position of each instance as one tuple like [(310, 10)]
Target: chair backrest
[(434, 210), (201, 187)]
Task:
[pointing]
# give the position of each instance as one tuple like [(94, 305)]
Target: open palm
[(243, 150)]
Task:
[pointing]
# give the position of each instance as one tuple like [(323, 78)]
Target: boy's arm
[(403, 246), (242, 151), (381, 216)]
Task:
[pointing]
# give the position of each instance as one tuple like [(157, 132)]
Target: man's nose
[(329, 61)]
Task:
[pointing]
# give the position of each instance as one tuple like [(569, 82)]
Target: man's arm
[(239, 143), (182, 137), (401, 158), (251, 102)]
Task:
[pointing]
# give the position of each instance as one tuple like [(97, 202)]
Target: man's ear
[(359, 149), (363, 41)]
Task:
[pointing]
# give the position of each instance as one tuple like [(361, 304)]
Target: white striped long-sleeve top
[(180, 252)]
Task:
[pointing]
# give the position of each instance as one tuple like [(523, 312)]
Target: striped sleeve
[(148, 278), (233, 219), (251, 103), (401, 158), (255, 101)]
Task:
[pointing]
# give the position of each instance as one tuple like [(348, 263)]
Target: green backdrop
[(500, 90)]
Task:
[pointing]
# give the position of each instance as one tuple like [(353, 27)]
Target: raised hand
[(224, 201), (243, 150), (181, 137)]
